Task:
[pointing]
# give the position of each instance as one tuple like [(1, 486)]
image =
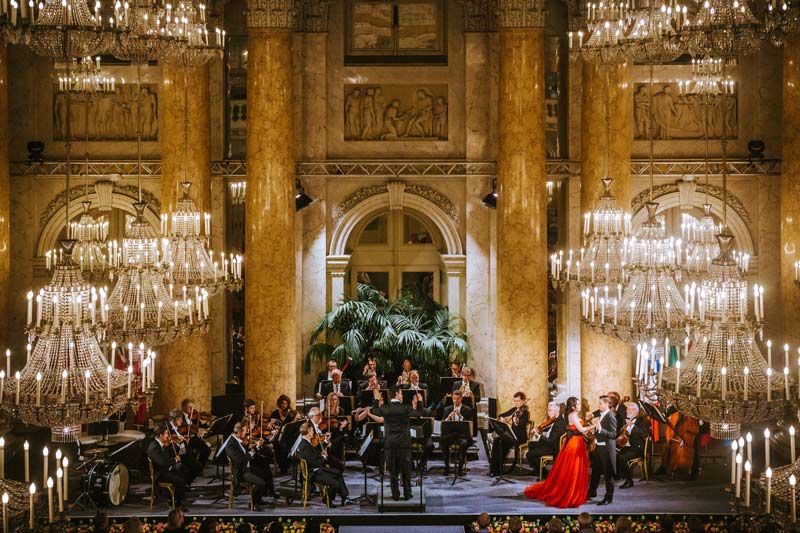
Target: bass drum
[(108, 483)]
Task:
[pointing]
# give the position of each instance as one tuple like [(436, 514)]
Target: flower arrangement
[(228, 526), (601, 525)]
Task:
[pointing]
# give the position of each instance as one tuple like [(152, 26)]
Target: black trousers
[(333, 479), (500, 449), (178, 481), (602, 465), (190, 466), (537, 450), (398, 462), (260, 479), (623, 457), (199, 450), (455, 439)]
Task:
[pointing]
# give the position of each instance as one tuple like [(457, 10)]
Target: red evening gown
[(568, 482)]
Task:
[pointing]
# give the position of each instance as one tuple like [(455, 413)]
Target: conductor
[(397, 443)]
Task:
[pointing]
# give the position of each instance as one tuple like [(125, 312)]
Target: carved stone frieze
[(271, 14), (514, 14), (108, 116), (395, 113), (423, 191), (311, 16), (479, 16), (77, 192), (734, 201)]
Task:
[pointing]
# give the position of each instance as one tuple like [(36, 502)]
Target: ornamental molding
[(271, 14), (693, 167), (520, 14), (715, 191), (79, 191), (479, 16), (423, 191), (311, 16)]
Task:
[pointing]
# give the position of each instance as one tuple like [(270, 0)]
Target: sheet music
[(437, 427), (413, 433)]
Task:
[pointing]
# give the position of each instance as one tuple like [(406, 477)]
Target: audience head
[(515, 524), (100, 521), (573, 404), (209, 525), (553, 409), (667, 524), (555, 525), (244, 528), (585, 520), (695, 525), (483, 521), (133, 525), (624, 525), (175, 518), (283, 402)]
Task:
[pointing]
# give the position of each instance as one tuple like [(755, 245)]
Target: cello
[(681, 434)]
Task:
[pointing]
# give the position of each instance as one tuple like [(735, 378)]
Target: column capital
[(271, 14), (479, 16), (520, 14), (336, 265), (312, 16)]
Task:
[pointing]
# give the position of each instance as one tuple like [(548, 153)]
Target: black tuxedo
[(501, 446), (320, 472), (474, 386), (638, 434), (548, 443), (455, 439), (621, 415), (323, 376), (397, 443), (199, 448), (345, 388), (167, 468), (604, 459), (245, 468), (188, 457)]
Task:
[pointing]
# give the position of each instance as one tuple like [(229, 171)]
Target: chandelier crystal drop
[(653, 35), (90, 237), (780, 18), (237, 192), (187, 21), (700, 237), (600, 263), (149, 36), (724, 29), (67, 380), (190, 264), (142, 309)]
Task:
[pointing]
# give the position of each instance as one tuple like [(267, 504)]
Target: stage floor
[(470, 496)]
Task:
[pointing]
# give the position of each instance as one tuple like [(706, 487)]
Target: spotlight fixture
[(301, 199), (490, 200)]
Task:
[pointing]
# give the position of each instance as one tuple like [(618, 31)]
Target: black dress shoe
[(603, 502), (628, 484), (348, 501)]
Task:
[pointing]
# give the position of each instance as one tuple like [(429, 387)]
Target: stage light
[(301, 199), (490, 200)]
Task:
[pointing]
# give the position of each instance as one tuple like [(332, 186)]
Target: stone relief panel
[(395, 113), (108, 116), (678, 116)]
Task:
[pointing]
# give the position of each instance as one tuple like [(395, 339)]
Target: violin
[(547, 423), (623, 437)]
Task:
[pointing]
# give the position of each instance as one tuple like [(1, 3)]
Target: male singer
[(604, 459)]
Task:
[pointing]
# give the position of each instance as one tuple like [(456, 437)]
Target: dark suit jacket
[(554, 439), (237, 455), (466, 412), (327, 388), (162, 458), (311, 454), (608, 435), (639, 434), (474, 386), (395, 421), (323, 376), (622, 415), (521, 429)]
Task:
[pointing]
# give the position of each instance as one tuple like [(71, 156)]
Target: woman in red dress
[(568, 482)]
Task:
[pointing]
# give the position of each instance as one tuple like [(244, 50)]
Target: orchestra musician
[(199, 448), (397, 441), (630, 443), (253, 429), (371, 367), (180, 445), (324, 376), (315, 456), (167, 464), (413, 382), (545, 438), (365, 392), (455, 370), (324, 435), (331, 423), (242, 456), (456, 412), (336, 385), (467, 387), (280, 417), (518, 416), (403, 379)]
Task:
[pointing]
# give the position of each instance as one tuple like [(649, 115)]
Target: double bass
[(681, 433)]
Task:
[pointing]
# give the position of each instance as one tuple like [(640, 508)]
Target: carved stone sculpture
[(395, 112)]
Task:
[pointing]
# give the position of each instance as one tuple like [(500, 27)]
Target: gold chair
[(644, 461), (237, 485), (156, 486), (323, 489), (549, 459)]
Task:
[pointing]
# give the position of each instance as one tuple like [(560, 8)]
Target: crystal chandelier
[(148, 36), (189, 262), (723, 28), (700, 237), (187, 21), (142, 309), (607, 25), (237, 192), (653, 37), (781, 18)]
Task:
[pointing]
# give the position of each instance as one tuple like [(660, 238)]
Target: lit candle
[(769, 384), (677, 377), (108, 381), (769, 353), (16, 397), (792, 483), (86, 387), (30, 307), (153, 368), (785, 355), (768, 473), (130, 373), (749, 439), (734, 447), (50, 499), (2, 458), (791, 443), (766, 447), (2, 384), (27, 447), (747, 468), (8, 362), (45, 465), (660, 371), (32, 491), (65, 464), (5, 512), (699, 379), (739, 475), (59, 490), (64, 375)]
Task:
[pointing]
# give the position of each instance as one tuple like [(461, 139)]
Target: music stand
[(365, 454), (408, 396), (505, 433), (220, 427), (421, 430), (462, 428), (347, 403), (446, 385)]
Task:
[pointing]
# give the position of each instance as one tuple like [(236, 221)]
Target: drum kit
[(105, 481)]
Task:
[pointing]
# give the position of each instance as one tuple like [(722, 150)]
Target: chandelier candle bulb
[(766, 447), (38, 389), (28, 348), (786, 382), (86, 387), (8, 362), (158, 316), (738, 475), (5, 511), (747, 468), (699, 380), (125, 318), (176, 313), (749, 439), (130, 374), (108, 382), (29, 296), (660, 371), (65, 464), (734, 448), (141, 315), (113, 352), (27, 458), (761, 302), (769, 384), (59, 490), (45, 465), (32, 490), (677, 377), (792, 483), (746, 384)]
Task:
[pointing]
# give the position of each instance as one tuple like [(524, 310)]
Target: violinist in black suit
[(636, 429), (166, 463), (394, 416), (604, 458), (336, 385), (245, 467), (456, 412), (549, 436), (318, 469), (518, 417)]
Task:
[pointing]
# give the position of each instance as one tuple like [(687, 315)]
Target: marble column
[(790, 187), (601, 155), (521, 207), (270, 320), (5, 203), (185, 365)]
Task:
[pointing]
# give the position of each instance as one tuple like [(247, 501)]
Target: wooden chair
[(237, 485), (156, 486), (644, 461), (323, 489), (549, 459)]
